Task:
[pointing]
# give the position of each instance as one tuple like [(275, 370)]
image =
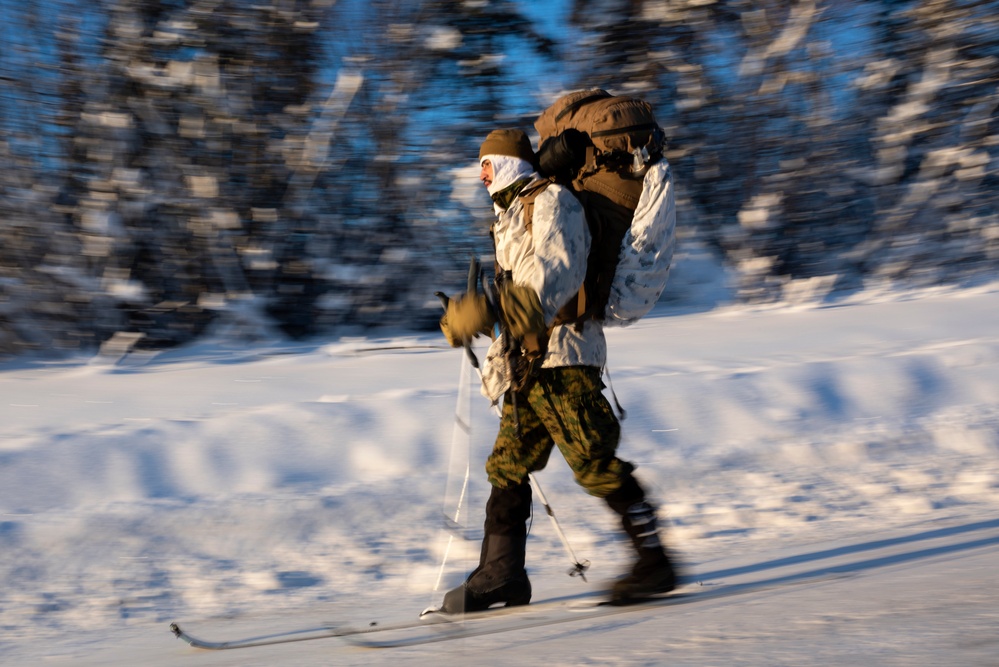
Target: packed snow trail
[(247, 486)]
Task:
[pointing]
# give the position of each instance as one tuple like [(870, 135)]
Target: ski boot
[(500, 577), (653, 573)]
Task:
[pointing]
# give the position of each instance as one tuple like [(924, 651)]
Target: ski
[(490, 623), (326, 631), (301, 635), (433, 626), (531, 616)]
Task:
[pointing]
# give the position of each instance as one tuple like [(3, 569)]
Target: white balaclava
[(507, 170)]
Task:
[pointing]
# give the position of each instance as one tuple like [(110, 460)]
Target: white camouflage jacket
[(552, 260)]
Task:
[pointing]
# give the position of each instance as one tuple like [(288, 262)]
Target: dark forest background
[(175, 167)]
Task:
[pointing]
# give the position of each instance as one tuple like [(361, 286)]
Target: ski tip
[(429, 611), (175, 629)]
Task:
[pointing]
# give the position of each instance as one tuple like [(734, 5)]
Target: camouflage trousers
[(564, 408)]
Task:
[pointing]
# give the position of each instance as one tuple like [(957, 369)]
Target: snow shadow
[(871, 563), (298, 579)]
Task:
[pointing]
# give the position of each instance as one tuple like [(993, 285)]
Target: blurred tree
[(165, 161), (439, 76), (935, 145), (187, 134), (44, 292), (805, 135)]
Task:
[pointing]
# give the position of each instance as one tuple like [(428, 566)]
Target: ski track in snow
[(222, 482)]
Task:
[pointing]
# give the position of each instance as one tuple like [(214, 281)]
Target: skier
[(549, 377)]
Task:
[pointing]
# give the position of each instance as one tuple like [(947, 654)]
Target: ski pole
[(462, 433), (578, 568)]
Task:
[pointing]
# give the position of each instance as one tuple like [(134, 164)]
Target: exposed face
[(486, 175)]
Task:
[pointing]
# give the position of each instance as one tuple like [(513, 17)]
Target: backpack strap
[(590, 96), (527, 196), (573, 311)]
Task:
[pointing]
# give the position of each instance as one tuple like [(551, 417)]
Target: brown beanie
[(513, 143)]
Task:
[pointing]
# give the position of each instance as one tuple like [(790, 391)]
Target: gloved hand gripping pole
[(472, 288)]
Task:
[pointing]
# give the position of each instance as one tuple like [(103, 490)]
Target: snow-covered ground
[(241, 487)]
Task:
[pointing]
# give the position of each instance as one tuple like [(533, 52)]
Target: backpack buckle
[(640, 159)]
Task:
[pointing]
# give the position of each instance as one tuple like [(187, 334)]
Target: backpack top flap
[(618, 124), (562, 114), (614, 124)]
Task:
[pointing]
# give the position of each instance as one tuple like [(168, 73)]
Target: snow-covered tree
[(166, 164)]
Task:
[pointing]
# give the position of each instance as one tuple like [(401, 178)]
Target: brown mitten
[(467, 316), (522, 311)]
